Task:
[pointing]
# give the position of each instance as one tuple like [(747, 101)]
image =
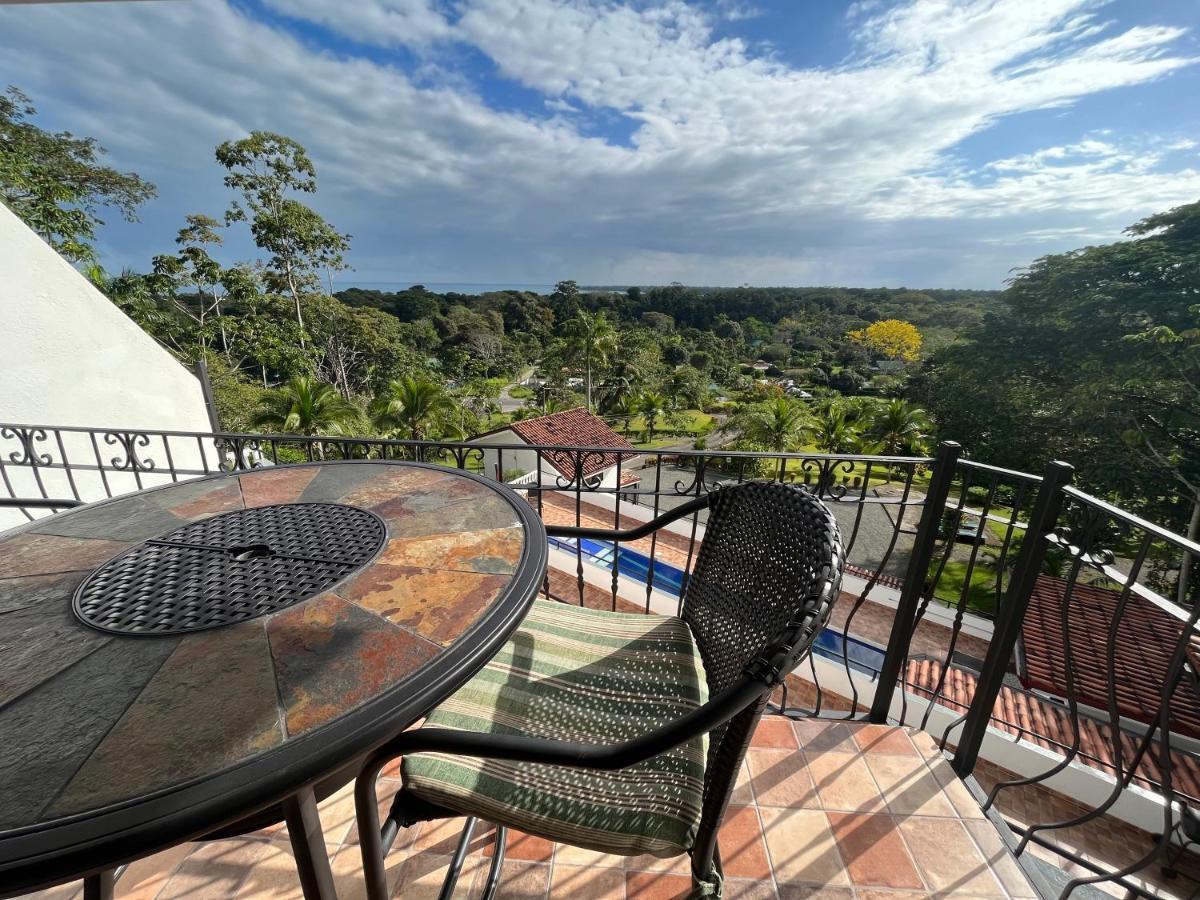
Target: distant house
[(760, 365), (569, 428)]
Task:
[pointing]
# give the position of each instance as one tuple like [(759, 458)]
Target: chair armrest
[(632, 534), (522, 748)]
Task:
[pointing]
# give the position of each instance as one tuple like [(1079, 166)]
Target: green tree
[(193, 269), (834, 431), (413, 408), (900, 428), (592, 339), (55, 182), (620, 386), (306, 406), (1086, 358), (267, 169), (779, 424), (652, 406), (686, 387)]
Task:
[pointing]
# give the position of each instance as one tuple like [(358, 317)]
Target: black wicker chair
[(766, 576)]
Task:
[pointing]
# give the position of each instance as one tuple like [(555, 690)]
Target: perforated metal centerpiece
[(230, 568)]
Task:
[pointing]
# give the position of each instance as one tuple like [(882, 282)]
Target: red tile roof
[(573, 428), (1032, 719), (1145, 640)]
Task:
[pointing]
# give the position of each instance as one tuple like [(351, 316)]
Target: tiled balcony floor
[(862, 811)]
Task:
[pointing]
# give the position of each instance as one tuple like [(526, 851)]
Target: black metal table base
[(308, 846), (99, 886)]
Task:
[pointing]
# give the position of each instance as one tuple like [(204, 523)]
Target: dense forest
[(1092, 356)]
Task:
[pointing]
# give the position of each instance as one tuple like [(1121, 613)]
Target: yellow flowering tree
[(893, 338)]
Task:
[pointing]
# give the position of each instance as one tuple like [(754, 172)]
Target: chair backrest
[(769, 569), (771, 556)]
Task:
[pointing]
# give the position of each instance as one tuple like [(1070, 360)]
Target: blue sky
[(935, 143)]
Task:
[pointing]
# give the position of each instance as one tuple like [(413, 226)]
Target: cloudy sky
[(934, 143)]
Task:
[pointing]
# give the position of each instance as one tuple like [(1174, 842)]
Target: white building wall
[(70, 357)]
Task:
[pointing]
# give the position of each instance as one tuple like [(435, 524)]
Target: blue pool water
[(862, 656)]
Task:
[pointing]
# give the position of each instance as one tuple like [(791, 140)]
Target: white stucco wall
[(71, 358)]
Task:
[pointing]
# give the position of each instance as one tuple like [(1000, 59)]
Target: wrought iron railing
[(943, 587)]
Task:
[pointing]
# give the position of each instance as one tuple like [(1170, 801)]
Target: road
[(509, 403)]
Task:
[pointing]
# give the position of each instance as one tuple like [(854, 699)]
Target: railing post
[(1011, 614), (210, 405), (944, 464)]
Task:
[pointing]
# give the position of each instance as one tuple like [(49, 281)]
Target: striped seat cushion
[(579, 675)]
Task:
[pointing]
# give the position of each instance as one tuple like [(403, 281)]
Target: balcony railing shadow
[(1035, 632)]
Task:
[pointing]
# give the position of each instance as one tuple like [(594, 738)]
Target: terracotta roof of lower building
[(573, 428), (1036, 720), (1142, 646)]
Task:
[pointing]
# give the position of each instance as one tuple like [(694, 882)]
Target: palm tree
[(619, 387), (834, 433), (652, 406), (901, 427), (780, 425), (412, 408), (305, 405), (590, 336)]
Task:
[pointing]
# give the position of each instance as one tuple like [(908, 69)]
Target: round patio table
[(191, 657)]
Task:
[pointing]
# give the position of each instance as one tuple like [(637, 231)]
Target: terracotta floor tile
[(749, 889), (655, 886), (1004, 865), (883, 739), (337, 816), (273, 876), (925, 744), (879, 894), (520, 879), (214, 871), (742, 793), (422, 875), (523, 846), (814, 892), (441, 836), (844, 782), (671, 865), (774, 731), (873, 851), (348, 872), (781, 778), (947, 857), (586, 883), (144, 879), (823, 734), (908, 786), (743, 853), (570, 855), (802, 848), (956, 792)]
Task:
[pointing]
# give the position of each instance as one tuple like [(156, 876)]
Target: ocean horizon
[(449, 287)]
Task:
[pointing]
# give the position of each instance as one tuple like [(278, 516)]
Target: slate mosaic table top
[(91, 721)]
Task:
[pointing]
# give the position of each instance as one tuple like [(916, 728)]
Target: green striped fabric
[(579, 675)]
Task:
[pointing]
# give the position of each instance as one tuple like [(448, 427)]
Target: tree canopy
[(56, 181)]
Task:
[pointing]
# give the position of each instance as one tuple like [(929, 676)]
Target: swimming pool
[(862, 656)]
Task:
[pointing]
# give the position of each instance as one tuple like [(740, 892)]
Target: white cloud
[(738, 163), (414, 23)]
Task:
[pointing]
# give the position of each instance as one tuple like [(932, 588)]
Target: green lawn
[(981, 596), (521, 392)]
